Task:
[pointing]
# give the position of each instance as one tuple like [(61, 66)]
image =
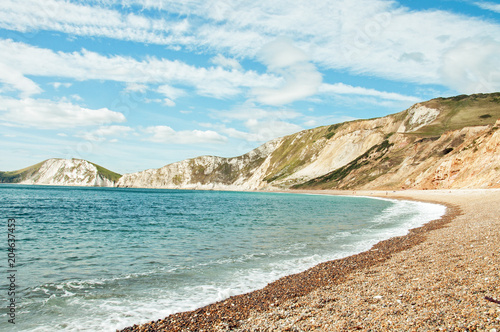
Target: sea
[(101, 259)]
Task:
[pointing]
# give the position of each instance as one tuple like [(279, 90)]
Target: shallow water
[(98, 259)]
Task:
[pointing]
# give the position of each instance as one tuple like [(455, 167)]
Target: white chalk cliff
[(65, 172)]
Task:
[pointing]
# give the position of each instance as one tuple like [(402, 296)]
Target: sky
[(138, 84)]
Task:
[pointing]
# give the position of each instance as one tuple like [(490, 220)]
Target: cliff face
[(207, 172), (465, 158), (442, 143), (69, 172), (439, 144)]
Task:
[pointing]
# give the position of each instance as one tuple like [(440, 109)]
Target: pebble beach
[(444, 276)]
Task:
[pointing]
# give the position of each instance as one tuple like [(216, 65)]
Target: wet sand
[(442, 276)]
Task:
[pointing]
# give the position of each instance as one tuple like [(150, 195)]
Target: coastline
[(419, 281)]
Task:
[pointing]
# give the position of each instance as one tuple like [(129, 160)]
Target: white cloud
[(249, 111), (84, 20), (224, 62), (473, 66), (261, 124), (165, 134), (311, 123), (136, 87), (86, 65), (168, 102), (301, 78), (218, 89), (47, 114), (104, 132), (261, 131), (373, 37), (171, 92), (76, 97), (495, 7), (156, 100), (267, 130), (57, 85), (281, 53), (14, 79), (345, 89)]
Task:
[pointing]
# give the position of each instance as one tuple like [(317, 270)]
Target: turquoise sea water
[(98, 259)]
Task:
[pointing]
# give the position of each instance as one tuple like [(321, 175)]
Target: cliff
[(208, 172), (456, 146), (69, 172), (443, 143)]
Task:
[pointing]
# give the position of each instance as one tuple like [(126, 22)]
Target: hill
[(73, 172), (441, 143)]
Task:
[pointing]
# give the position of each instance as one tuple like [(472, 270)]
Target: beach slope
[(442, 276)]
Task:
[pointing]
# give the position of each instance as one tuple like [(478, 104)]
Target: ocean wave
[(151, 283)]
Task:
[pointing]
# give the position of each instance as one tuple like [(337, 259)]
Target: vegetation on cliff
[(462, 111), (19, 175)]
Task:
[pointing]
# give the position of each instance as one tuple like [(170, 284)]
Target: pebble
[(428, 283)]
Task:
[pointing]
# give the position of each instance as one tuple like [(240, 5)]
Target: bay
[(99, 259)]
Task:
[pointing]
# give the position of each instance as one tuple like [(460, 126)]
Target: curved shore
[(444, 275)]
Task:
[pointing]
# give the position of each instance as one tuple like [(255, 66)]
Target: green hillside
[(19, 175), (462, 111), (107, 173)]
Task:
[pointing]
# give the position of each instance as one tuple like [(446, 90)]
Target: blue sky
[(138, 84)]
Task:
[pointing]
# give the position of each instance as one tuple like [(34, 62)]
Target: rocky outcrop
[(64, 172)]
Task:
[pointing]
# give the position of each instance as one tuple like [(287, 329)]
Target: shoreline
[(274, 307)]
